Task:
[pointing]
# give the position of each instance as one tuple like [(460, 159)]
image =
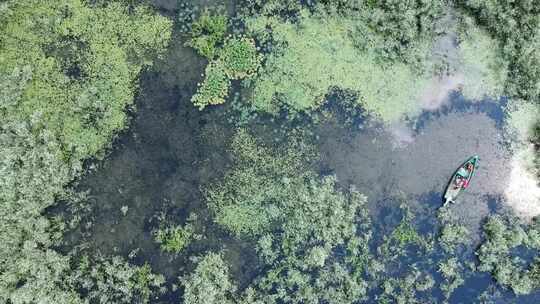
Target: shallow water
[(371, 159), (172, 150)]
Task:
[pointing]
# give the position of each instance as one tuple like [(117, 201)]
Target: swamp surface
[(171, 150)]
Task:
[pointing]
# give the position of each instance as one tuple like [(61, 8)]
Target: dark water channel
[(159, 166), (171, 150)]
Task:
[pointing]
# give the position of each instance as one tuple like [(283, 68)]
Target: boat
[(461, 179)]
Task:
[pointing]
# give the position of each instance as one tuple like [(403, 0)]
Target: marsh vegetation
[(268, 151)]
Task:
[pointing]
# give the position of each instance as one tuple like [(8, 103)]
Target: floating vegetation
[(276, 211), (310, 59), (481, 65), (498, 254), (229, 58)]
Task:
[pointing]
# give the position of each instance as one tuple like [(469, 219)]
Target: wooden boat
[(455, 187)]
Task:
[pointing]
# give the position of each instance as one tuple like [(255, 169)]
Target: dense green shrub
[(299, 221), (209, 283), (207, 33), (497, 253), (239, 57), (68, 70), (214, 88), (116, 281)]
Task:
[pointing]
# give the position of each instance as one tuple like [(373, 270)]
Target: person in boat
[(462, 175), (459, 182)]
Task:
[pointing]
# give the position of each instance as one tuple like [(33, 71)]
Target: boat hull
[(452, 191)]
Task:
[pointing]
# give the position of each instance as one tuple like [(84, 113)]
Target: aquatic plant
[(452, 233), (317, 54), (215, 87), (236, 59), (405, 234), (318, 221), (451, 270), (298, 219), (186, 16), (207, 33), (515, 26), (114, 280), (241, 200), (521, 120), (209, 283), (482, 66), (62, 101), (497, 253), (395, 30), (397, 243), (406, 289), (174, 239), (239, 57)]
